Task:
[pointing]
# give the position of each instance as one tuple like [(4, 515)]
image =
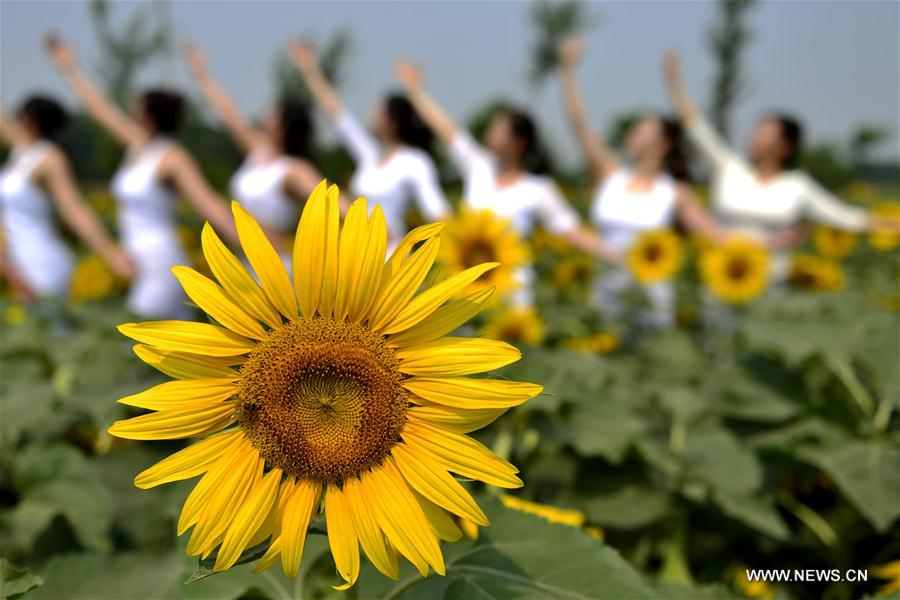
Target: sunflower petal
[(176, 394), (403, 285), (460, 420), (235, 279), (466, 392), (194, 460), (443, 320), (315, 251), (451, 356), (196, 500), (402, 250), (372, 266), (214, 302), (252, 513), (461, 454), (431, 479), (402, 520), (441, 523), (350, 256), (180, 365), (425, 303), (297, 513), (272, 555), (265, 262), (176, 424), (366, 526), (186, 336), (341, 535)]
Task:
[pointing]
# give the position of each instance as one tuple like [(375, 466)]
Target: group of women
[(761, 196)]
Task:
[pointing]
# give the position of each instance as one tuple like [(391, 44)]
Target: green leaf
[(631, 507), (756, 513), (718, 459), (604, 426), (116, 577), (14, 581), (868, 474), (520, 556)]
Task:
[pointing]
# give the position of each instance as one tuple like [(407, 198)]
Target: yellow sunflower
[(476, 237), (92, 280), (560, 516), (737, 271), (654, 256), (752, 589), (516, 324), (833, 243), (879, 238), (603, 342), (891, 573), (337, 392), (576, 269), (811, 272)]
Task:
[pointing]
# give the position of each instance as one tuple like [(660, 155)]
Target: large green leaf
[(15, 582), (117, 577), (628, 508), (718, 459), (520, 556), (604, 427), (868, 474)]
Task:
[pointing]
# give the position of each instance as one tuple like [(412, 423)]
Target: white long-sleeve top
[(530, 200), (745, 204), (391, 181)]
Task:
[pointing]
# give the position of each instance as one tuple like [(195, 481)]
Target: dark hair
[(792, 133), (408, 126), (296, 128), (164, 108), (524, 129), (675, 162), (46, 114)]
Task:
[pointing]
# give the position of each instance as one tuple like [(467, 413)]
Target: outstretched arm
[(79, 218), (678, 94), (304, 58), (694, 216), (600, 158), (106, 113), (179, 168), (11, 132), (245, 135), (429, 110), (591, 243)]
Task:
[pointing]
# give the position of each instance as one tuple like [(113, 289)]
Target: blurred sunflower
[(559, 516), (890, 572), (516, 324), (475, 237), (603, 342), (885, 240), (752, 589), (811, 272), (14, 314), (92, 280), (654, 256), (833, 243), (543, 241), (356, 404), (575, 269), (737, 271)]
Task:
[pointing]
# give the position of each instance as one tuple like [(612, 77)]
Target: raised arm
[(245, 135), (181, 170), (105, 112), (678, 95), (304, 58), (600, 158), (11, 132), (430, 111), (79, 218)]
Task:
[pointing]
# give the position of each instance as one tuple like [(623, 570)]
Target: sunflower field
[(759, 432)]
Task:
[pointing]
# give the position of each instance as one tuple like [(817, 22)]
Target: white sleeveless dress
[(148, 233), (31, 237), (621, 215)]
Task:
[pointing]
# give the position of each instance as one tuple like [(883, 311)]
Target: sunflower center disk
[(322, 399)]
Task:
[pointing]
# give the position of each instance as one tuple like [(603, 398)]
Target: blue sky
[(836, 63)]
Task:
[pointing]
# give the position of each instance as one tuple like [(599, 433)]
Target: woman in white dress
[(505, 174), (649, 190), (393, 165), (764, 196), (277, 175), (156, 169), (36, 186)]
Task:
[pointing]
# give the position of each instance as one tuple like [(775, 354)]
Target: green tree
[(554, 22), (728, 39)]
